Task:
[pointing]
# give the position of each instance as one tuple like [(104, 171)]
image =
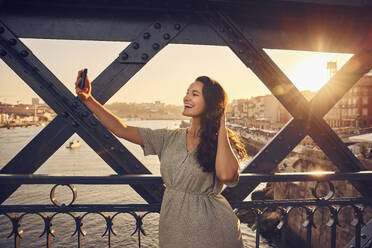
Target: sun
[(311, 73)]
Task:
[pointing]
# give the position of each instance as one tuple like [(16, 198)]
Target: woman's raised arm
[(108, 119)]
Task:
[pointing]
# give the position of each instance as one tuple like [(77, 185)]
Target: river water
[(83, 161)]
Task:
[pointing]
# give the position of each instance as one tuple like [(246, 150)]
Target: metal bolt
[(74, 124), (253, 164), (241, 51), (75, 104), (177, 26), (155, 46), (146, 35), (166, 36), (144, 56), (157, 25), (84, 114), (136, 45), (231, 40), (2, 53), (12, 42), (124, 56), (93, 122), (24, 53), (2, 30)]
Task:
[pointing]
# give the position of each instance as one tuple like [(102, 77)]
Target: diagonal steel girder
[(307, 116), (131, 60)]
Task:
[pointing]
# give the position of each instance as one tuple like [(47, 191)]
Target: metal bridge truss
[(151, 28)]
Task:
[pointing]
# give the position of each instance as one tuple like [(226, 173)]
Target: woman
[(195, 162)]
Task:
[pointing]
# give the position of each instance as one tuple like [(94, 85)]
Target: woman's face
[(193, 101)]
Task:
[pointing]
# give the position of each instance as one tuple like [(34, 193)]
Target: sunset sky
[(166, 77)]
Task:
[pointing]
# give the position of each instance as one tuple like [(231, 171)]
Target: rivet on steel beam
[(166, 36), (93, 122), (74, 124), (177, 26), (231, 41), (157, 25), (155, 46), (112, 148), (2, 30), (267, 151), (75, 104), (241, 51), (24, 53), (12, 42), (136, 45), (144, 56), (122, 150), (137, 166), (2, 53), (253, 165), (146, 35), (124, 56), (84, 114)]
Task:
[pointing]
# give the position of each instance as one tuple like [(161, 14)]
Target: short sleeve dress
[(193, 212)]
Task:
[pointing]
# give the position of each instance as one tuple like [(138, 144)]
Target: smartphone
[(83, 78)]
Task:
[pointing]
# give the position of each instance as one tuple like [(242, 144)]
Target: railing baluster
[(333, 222), (258, 227), (309, 225)]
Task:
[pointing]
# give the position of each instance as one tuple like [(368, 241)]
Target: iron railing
[(284, 207)]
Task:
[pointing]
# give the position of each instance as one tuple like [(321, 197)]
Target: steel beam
[(108, 147), (274, 24), (308, 119)]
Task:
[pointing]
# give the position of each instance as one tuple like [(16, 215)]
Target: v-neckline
[(193, 149)]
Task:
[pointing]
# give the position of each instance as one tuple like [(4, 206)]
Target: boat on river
[(73, 144)]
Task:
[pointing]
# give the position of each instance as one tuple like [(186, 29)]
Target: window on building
[(365, 100), (364, 111)]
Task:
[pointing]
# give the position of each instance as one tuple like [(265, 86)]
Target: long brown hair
[(216, 101)]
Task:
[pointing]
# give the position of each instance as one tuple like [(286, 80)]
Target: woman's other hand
[(83, 94)]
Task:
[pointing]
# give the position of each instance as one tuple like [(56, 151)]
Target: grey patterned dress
[(193, 212)]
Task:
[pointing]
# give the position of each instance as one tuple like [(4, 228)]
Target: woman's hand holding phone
[(82, 88)]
